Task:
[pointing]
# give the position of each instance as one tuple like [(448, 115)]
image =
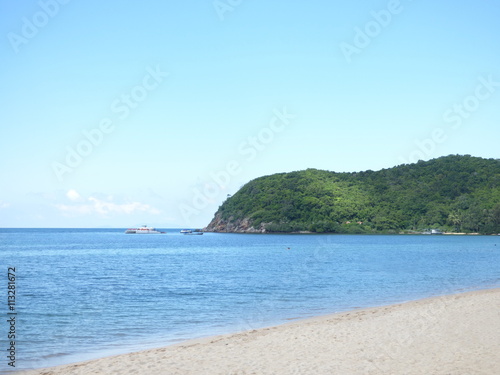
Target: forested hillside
[(453, 193)]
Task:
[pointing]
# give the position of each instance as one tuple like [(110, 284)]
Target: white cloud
[(4, 204), (73, 195), (104, 208)]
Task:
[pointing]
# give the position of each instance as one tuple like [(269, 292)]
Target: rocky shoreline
[(218, 225)]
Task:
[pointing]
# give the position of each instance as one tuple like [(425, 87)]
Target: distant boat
[(432, 231), (143, 230), (190, 232)]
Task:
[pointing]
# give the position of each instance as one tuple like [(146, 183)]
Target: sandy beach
[(455, 334)]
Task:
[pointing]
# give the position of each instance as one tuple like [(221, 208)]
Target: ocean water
[(88, 293)]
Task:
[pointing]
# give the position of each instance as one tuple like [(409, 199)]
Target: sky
[(118, 114)]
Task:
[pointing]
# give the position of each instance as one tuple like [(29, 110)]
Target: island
[(450, 194)]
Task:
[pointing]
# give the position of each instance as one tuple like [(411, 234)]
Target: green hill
[(453, 193)]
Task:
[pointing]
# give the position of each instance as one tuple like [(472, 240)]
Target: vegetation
[(452, 193)]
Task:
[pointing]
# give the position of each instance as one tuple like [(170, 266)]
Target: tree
[(455, 218)]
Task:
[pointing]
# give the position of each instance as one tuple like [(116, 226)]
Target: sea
[(88, 293)]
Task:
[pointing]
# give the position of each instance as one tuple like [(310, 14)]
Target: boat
[(143, 230), (191, 232), (432, 231)]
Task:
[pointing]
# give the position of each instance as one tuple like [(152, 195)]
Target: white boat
[(191, 232), (142, 230), (432, 231)]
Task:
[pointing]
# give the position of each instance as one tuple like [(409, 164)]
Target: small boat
[(432, 231), (191, 232), (143, 230)]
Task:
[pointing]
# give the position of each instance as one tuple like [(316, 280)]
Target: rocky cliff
[(218, 224)]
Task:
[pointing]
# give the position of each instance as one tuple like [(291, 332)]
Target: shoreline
[(457, 333), (388, 233)]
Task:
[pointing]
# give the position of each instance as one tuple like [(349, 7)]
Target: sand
[(453, 335)]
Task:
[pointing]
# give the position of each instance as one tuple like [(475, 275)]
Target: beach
[(453, 334)]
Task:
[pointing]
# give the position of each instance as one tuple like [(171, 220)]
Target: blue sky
[(120, 114)]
